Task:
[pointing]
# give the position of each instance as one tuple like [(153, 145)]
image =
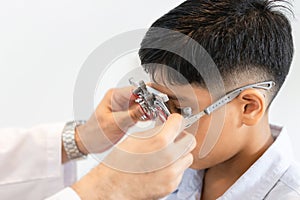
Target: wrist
[(78, 141), (64, 156)]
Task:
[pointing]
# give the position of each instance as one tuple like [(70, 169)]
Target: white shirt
[(30, 163), (274, 176)]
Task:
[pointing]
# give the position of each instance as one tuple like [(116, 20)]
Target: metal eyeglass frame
[(226, 99)]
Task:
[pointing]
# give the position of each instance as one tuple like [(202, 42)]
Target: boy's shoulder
[(288, 186)]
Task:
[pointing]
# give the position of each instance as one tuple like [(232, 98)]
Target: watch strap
[(69, 142)]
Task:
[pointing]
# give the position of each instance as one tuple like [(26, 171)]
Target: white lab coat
[(30, 163)]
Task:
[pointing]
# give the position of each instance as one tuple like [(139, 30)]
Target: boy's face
[(228, 126)]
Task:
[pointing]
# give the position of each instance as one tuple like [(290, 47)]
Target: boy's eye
[(173, 108), (176, 110)]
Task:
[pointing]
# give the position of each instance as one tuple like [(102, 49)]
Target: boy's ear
[(253, 106)]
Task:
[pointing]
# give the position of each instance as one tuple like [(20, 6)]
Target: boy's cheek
[(200, 131), (222, 148)]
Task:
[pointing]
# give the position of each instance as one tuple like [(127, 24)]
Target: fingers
[(121, 98), (173, 174), (172, 127), (123, 93), (126, 119), (183, 163), (121, 121), (181, 166), (186, 142), (135, 112)]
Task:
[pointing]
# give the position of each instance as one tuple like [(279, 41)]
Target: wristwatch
[(68, 138)]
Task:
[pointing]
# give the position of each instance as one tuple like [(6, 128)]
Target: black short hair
[(251, 37)]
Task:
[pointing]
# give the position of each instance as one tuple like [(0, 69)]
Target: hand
[(112, 118), (104, 182)]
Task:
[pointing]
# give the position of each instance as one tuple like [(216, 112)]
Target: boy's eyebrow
[(175, 98)]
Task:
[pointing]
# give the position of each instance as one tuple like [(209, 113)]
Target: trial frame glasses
[(267, 85)]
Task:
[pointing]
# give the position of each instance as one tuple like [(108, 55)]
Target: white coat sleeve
[(30, 162), (67, 193)]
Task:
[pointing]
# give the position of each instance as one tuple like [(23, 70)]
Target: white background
[(44, 43)]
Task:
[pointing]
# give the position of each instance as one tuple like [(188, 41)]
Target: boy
[(250, 42)]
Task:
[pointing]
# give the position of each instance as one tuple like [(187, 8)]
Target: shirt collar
[(191, 185), (261, 177), (256, 182)]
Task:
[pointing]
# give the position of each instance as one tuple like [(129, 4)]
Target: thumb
[(126, 119), (172, 127)]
